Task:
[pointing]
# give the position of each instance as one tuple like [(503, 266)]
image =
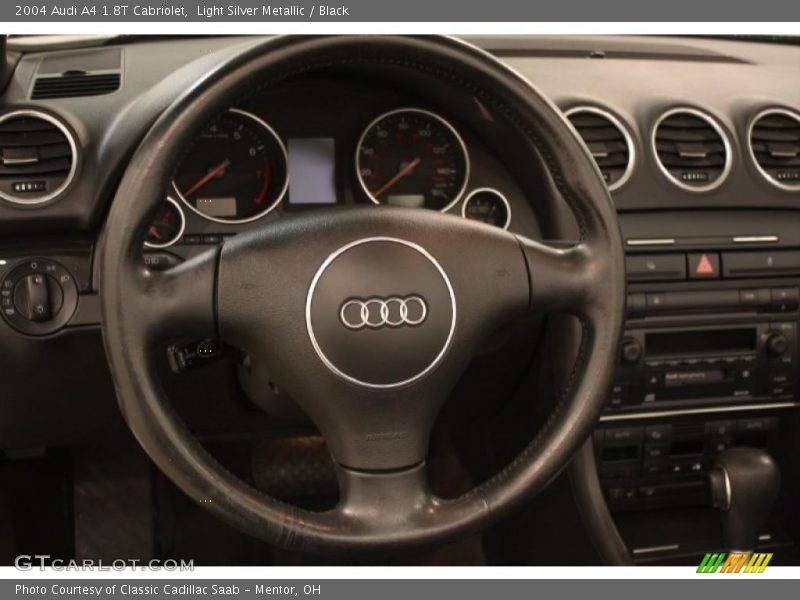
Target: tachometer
[(235, 170), (412, 157)]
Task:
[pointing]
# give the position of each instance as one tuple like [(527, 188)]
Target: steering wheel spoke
[(180, 301), (562, 280), (384, 500)]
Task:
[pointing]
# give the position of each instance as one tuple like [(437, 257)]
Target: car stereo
[(676, 366)]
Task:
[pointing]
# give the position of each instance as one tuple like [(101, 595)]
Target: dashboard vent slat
[(608, 141), (768, 135), (691, 149), (39, 137), (774, 143), (75, 85), (688, 135), (769, 161), (39, 167), (26, 124), (684, 162), (37, 157)]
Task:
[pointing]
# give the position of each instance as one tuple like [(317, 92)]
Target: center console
[(708, 360)]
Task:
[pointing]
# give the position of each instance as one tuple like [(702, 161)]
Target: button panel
[(205, 239), (665, 463), (712, 351), (656, 267), (677, 266), (762, 300), (761, 264)]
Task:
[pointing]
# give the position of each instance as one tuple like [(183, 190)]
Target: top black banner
[(450, 11)]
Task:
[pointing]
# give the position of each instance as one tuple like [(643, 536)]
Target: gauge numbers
[(487, 206), (235, 171), (412, 157)]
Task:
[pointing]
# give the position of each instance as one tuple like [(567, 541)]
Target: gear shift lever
[(744, 485)]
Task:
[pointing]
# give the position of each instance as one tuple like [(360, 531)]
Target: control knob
[(776, 343), (38, 296), (631, 351)]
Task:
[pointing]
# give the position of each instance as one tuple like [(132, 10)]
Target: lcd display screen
[(312, 171), (222, 207), (407, 200), (711, 341)]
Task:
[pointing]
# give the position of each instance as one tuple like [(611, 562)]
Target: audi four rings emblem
[(383, 312)]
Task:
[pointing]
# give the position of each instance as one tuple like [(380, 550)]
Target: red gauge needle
[(398, 176), (207, 177), (154, 232)]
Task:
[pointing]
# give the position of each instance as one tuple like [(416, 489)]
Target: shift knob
[(744, 485)]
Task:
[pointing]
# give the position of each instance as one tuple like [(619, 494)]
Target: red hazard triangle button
[(704, 265)]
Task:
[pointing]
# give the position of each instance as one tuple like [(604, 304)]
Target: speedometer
[(412, 157)]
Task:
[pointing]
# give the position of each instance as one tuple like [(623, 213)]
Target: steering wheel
[(365, 315)]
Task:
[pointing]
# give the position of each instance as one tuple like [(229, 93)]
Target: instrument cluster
[(240, 168)]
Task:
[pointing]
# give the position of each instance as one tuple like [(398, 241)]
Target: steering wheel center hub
[(381, 312)]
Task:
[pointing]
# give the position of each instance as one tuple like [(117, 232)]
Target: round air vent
[(774, 141), (608, 141), (691, 149), (38, 159)]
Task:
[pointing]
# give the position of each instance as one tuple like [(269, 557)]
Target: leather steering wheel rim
[(381, 508)]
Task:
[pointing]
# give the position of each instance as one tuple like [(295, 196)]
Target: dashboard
[(697, 139)]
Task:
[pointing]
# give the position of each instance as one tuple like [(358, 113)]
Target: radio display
[(711, 341)]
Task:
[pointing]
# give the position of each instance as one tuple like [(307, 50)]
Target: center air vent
[(608, 141), (691, 149), (38, 157), (775, 146)]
